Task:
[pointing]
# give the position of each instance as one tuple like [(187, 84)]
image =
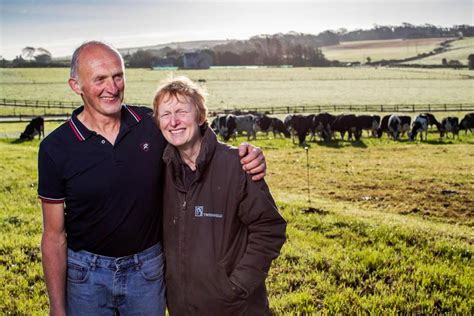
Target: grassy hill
[(380, 49), (458, 50), (398, 49)]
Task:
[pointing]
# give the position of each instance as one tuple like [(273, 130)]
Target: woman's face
[(179, 122)]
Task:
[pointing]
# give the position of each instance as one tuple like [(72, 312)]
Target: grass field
[(380, 49), (237, 88), (460, 50), (390, 228)]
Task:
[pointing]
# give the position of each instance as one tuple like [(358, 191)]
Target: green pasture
[(358, 51), (267, 87), (460, 50), (389, 229)]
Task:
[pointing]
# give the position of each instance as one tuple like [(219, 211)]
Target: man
[(99, 182)]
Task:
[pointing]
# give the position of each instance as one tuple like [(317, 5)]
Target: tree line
[(293, 49)]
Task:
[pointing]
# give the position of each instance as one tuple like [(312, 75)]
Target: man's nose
[(112, 86)]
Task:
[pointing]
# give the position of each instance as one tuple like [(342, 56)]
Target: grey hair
[(78, 51)]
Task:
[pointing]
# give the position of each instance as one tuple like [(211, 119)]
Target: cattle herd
[(325, 126), (322, 125)]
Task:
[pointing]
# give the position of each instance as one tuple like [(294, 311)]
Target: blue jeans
[(131, 285)]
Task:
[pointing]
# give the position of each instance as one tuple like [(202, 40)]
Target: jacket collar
[(172, 158), (128, 118)]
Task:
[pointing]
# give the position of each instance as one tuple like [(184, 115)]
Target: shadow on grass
[(18, 141), (339, 144)]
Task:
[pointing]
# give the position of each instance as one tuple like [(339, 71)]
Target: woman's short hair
[(180, 88)]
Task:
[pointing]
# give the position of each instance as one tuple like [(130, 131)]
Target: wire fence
[(23, 110)]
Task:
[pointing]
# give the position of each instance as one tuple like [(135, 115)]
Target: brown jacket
[(220, 235)]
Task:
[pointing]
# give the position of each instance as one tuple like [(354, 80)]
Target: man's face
[(101, 80)]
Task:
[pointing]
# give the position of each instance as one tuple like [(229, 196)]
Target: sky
[(60, 26)]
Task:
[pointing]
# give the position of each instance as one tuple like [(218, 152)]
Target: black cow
[(420, 125), (264, 123), (370, 123), (345, 123), (467, 123), (300, 125), (35, 127), (431, 120), (215, 125), (394, 126), (287, 122), (449, 124), (278, 128), (227, 126), (322, 123), (405, 123), (383, 126)]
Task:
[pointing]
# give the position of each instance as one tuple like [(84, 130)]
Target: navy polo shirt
[(112, 193)]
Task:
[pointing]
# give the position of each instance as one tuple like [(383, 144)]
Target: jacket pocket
[(229, 294), (77, 273), (152, 270)]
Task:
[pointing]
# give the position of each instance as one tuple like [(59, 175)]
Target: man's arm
[(266, 235), (54, 252), (253, 161)]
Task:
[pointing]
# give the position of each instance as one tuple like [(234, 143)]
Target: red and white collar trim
[(133, 113), (76, 131)]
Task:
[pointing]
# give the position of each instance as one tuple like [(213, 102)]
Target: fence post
[(429, 107), (445, 107), (381, 108), (288, 110)]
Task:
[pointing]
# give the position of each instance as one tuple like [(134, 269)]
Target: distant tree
[(444, 62), (43, 59), (369, 60), (19, 61), (455, 63), (249, 58), (142, 59), (228, 59), (28, 53), (471, 61), (42, 56)]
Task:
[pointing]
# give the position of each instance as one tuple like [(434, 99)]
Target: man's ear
[(75, 86)]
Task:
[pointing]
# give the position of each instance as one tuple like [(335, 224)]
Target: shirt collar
[(128, 117)]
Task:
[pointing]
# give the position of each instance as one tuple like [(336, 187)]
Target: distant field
[(380, 49), (460, 50), (236, 88)]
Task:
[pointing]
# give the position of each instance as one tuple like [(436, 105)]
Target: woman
[(221, 229)]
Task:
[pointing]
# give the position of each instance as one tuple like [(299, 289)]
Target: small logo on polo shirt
[(199, 212), (145, 146)]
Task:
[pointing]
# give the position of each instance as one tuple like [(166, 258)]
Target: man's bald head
[(75, 61)]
